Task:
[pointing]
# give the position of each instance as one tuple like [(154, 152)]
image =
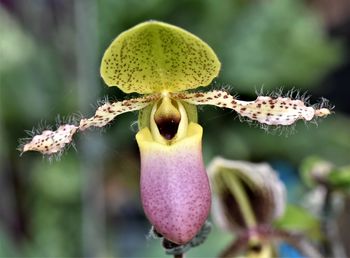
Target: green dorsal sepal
[(154, 57)]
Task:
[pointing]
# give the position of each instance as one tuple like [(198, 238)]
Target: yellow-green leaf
[(155, 56), (299, 219), (339, 178)]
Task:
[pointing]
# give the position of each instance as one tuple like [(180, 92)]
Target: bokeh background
[(87, 204)]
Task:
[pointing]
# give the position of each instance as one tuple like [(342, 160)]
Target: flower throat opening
[(167, 118)]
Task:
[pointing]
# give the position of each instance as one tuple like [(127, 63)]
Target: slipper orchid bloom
[(162, 62), (248, 199)]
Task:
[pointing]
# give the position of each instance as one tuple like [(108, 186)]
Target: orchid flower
[(248, 199), (161, 62)]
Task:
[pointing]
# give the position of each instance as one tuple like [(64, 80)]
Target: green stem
[(333, 245)]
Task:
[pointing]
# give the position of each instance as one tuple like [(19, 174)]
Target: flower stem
[(333, 245)]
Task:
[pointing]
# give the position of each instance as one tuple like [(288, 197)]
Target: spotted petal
[(51, 142), (155, 56), (265, 110)]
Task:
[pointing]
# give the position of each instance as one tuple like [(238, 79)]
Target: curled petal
[(51, 142), (265, 110), (235, 248), (109, 111), (175, 189), (297, 240), (246, 194)]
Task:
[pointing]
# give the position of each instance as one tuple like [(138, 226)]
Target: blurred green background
[(87, 204)]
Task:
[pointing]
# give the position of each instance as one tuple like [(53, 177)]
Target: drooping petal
[(246, 194), (51, 142), (295, 239), (261, 242), (236, 247), (109, 111), (265, 110), (175, 189), (155, 56)]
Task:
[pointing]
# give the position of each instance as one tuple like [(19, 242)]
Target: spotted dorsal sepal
[(154, 56), (265, 110), (53, 142)]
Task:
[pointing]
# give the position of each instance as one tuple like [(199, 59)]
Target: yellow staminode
[(155, 56)]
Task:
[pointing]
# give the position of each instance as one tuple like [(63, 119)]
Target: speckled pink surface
[(175, 191)]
